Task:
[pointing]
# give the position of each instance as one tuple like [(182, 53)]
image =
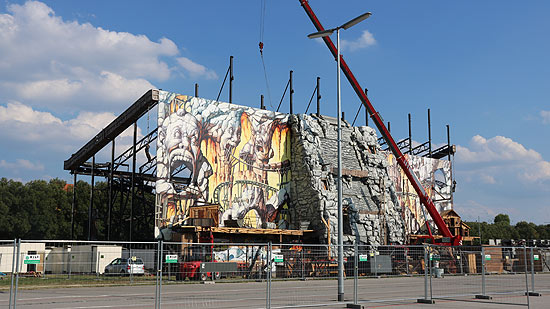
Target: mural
[(237, 157), (436, 177)]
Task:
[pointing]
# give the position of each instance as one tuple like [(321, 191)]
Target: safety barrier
[(271, 275)]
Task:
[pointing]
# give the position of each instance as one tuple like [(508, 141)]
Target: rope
[(219, 93), (267, 82), (262, 22), (261, 45), (360, 105), (288, 83)]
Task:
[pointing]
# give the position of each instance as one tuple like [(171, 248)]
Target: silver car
[(122, 266)]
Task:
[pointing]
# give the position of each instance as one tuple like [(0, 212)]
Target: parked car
[(122, 266)]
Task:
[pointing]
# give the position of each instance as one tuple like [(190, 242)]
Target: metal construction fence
[(267, 274)]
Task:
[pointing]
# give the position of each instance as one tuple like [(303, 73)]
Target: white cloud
[(545, 116), (49, 62), (196, 69), (19, 122), (488, 179), (365, 40), (22, 164), (17, 112), (498, 148), (489, 159)]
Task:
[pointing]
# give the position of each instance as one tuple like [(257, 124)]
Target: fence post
[(303, 263), (69, 250), (459, 256), (355, 271), (160, 272), (425, 300), (430, 269), (12, 269), (406, 250), (131, 266), (533, 293), (375, 266), (268, 276), (526, 278), (157, 276), (483, 296), (17, 273)]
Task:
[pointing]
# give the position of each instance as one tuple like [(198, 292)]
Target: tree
[(502, 218), (527, 230)]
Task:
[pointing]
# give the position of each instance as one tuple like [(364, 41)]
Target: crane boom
[(401, 159)]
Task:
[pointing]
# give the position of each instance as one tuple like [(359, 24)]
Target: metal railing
[(273, 275)]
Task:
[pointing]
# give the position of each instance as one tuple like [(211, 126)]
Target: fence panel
[(95, 267), (489, 273), (139, 274), (389, 273), (306, 275), (455, 272), (238, 269)]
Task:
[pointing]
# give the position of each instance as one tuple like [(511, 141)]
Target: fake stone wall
[(371, 209)]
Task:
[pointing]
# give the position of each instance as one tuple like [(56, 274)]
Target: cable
[(311, 99), (288, 83), (219, 93), (360, 105), (261, 46), (267, 82)]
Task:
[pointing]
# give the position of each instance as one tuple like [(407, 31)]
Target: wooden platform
[(242, 230)]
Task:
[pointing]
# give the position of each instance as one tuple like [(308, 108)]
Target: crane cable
[(261, 46)]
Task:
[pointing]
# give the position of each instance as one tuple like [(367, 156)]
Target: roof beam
[(115, 128)]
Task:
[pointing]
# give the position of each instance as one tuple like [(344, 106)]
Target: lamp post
[(321, 34)]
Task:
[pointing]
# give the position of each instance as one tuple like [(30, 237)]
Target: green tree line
[(41, 209), (502, 229)]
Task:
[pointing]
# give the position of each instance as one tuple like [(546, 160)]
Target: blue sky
[(69, 67)]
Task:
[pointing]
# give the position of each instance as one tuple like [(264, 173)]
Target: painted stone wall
[(436, 177), (279, 171), (372, 210), (237, 157)]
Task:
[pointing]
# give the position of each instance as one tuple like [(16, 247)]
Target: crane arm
[(401, 159)]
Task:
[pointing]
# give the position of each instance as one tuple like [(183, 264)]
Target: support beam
[(133, 182), (429, 134), (366, 110), (90, 208), (73, 208), (111, 172), (410, 135), (114, 129), (318, 96), (291, 92), (231, 79)]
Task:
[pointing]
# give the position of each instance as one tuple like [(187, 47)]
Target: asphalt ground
[(399, 292)]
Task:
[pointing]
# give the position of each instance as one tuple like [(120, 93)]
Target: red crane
[(401, 159)]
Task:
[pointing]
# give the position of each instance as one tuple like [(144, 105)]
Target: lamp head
[(356, 20), (320, 34)]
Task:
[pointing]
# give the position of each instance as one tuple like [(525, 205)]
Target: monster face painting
[(236, 157)]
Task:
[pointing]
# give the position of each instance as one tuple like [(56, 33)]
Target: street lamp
[(321, 34)]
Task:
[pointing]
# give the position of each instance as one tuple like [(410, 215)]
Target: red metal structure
[(401, 159)]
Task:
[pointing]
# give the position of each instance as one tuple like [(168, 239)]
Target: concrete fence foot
[(483, 297), (425, 301)]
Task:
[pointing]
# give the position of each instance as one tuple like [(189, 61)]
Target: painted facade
[(436, 177), (236, 157)]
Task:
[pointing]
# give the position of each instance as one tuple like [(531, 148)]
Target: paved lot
[(448, 292)]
